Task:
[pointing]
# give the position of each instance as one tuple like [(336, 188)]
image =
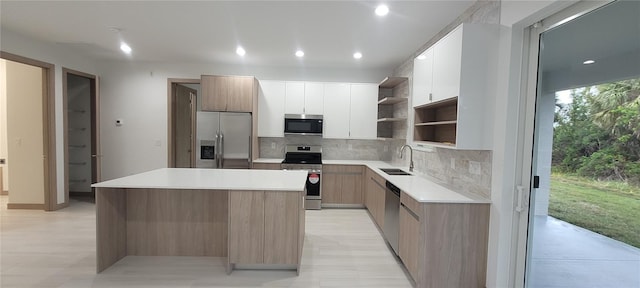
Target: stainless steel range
[(308, 158)]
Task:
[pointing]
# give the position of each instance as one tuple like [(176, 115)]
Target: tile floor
[(343, 248)]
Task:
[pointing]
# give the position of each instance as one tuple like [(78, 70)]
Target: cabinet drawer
[(410, 203)]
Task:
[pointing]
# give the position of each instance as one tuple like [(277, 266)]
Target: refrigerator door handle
[(250, 150), (217, 149), (221, 151)]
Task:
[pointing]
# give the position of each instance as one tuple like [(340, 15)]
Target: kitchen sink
[(395, 171)]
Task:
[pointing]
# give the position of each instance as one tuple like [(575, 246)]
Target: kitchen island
[(254, 218)]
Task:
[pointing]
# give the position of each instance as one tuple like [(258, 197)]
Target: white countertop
[(214, 179), (420, 187)]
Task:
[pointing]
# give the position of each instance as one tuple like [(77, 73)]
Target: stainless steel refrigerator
[(223, 140)]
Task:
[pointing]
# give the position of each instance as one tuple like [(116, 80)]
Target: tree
[(598, 134)]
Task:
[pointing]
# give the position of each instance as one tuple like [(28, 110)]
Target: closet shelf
[(437, 123)]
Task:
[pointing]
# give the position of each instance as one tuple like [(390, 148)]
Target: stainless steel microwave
[(302, 124)]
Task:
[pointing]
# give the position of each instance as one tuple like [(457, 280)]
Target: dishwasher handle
[(393, 188)]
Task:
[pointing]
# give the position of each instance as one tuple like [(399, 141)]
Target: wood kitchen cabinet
[(265, 227), (374, 198), (409, 234), (342, 184), (228, 93), (444, 244)]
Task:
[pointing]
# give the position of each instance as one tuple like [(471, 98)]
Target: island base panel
[(111, 227), (170, 222)]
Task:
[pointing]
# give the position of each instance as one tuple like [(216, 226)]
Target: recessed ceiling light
[(299, 53), (357, 55), (587, 62), (382, 10), (240, 51), (422, 57), (125, 48)]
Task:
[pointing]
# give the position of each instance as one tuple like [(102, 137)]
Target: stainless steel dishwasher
[(392, 215)]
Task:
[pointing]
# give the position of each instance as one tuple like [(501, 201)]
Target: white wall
[(54, 54), (137, 93), (515, 17)]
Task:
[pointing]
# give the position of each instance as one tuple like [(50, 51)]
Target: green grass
[(610, 208)]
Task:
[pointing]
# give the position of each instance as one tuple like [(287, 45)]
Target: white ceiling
[(329, 32)]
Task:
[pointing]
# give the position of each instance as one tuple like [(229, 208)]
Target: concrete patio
[(565, 255)]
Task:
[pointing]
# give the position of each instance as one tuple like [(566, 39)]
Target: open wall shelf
[(390, 91), (437, 122)]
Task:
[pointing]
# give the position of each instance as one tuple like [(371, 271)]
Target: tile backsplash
[(332, 149), (462, 170), (456, 174)]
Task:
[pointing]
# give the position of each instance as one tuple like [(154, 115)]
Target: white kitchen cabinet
[(423, 78), (337, 99), (447, 59), (271, 108), (304, 98), (294, 98), (364, 111), (313, 98), (458, 115)]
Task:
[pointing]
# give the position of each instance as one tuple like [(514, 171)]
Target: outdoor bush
[(598, 134)]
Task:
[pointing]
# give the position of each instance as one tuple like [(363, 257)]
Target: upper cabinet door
[(313, 98), (364, 111), (447, 63), (214, 93), (240, 93), (271, 109), (336, 119), (294, 98), (423, 78), (227, 93)]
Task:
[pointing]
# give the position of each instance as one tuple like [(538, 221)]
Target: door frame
[(96, 154), (171, 100), (48, 133), (527, 128)]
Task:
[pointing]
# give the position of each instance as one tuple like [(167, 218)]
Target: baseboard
[(4, 192), (25, 206)]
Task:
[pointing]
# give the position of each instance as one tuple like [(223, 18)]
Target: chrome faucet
[(410, 156)]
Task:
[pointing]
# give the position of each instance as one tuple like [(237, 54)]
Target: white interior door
[(25, 138)]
